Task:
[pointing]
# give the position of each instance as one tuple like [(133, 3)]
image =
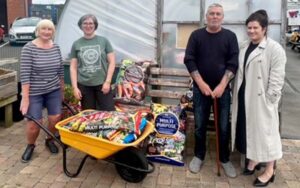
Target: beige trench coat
[(264, 73)]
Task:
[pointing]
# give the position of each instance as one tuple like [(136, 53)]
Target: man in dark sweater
[(211, 58)]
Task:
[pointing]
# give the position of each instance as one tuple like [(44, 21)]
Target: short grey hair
[(214, 5), (85, 17)]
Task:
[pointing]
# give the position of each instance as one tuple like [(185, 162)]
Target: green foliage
[(69, 96)]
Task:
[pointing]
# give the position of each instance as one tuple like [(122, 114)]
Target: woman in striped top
[(42, 79)]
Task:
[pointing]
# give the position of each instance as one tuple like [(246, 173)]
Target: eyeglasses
[(89, 23)]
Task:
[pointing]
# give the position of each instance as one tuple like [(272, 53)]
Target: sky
[(48, 1)]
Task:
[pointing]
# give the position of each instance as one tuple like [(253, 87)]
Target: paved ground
[(291, 96), (8, 51), (45, 170)]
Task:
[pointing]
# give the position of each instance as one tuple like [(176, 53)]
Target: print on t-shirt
[(90, 58)]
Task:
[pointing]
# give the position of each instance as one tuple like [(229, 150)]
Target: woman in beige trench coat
[(257, 89)]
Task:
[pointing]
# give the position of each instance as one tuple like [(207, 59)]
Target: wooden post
[(8, 115), (8, 93), (7, 104)]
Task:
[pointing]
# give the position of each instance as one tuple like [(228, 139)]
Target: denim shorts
[(51, 101)]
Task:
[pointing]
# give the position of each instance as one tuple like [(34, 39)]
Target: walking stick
[(217, 134)]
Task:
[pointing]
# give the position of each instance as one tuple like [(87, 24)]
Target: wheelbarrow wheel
[(133, 157)]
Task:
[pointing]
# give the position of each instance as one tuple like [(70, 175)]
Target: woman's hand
[(105, 87), (77, 93), (24, 105)]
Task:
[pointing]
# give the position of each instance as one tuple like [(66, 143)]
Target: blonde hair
[(44, 23)]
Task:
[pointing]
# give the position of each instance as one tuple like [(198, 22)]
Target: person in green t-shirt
[(92, 66)]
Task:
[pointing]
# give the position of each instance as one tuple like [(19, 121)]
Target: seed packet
[(130, 82)]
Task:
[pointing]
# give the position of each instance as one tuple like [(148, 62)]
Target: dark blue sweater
[(212, 54)]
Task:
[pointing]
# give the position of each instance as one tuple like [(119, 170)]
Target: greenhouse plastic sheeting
[(132, 26), (129, 25)]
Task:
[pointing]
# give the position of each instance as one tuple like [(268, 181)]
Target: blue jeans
[(52, 101), (202, 107)]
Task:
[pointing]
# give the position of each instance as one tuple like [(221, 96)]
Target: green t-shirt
[(91, 55)]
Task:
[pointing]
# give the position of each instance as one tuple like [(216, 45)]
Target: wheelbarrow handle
[(73, 112), (44, 129), (64, 148)]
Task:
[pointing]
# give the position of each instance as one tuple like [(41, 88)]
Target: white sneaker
[(229, 169), (195, 165)]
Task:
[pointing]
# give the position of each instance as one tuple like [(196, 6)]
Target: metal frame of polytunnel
[(281, 22), (159, 12), (277, 24), (160, 22)]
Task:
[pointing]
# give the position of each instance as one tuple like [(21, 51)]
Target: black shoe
[(258, 183), (248, 172), (51, 146), (28, 153)]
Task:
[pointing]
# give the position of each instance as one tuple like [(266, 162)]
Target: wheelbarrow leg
[(217, 135), (64, 148), (69, 174)]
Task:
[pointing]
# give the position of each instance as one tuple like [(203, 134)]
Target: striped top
[(41, 68)]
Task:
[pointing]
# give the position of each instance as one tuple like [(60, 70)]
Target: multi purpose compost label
[(166, 123)]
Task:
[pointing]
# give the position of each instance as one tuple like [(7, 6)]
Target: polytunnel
[(159, 29)]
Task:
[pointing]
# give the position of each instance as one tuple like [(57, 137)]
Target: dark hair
[(87, 16), (261, 17)]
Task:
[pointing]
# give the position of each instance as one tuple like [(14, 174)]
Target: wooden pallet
[(8, 93)]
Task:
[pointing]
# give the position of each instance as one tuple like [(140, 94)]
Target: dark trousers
[(240, 135), (94, 98), (202, 106)]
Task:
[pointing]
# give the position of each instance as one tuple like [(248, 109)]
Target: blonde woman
[(42, 79)]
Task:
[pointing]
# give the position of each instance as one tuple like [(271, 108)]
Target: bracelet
[(107, 81)]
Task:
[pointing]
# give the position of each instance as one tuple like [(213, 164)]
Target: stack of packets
[(166, 144), (119, 127), (130, 82)]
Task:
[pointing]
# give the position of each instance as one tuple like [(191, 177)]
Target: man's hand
[(202, 85), (205, 89), (218, 91)]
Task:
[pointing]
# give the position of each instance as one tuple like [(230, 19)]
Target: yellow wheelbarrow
[(130, 161)]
